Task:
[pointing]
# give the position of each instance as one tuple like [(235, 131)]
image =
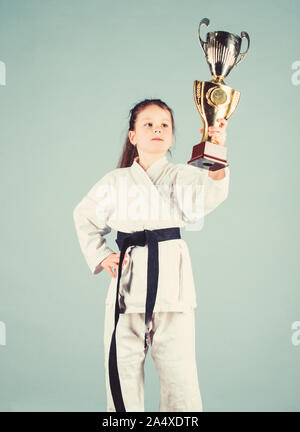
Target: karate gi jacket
[(133, 199)]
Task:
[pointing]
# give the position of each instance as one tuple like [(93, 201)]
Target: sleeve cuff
[(94, 262)]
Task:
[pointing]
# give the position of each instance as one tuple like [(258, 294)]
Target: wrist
[(217, 175)]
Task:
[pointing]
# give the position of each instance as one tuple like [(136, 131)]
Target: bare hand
[(218, 133), (112, 262)]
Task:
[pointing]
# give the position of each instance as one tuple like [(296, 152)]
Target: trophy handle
[(202, 43), (243, 35)]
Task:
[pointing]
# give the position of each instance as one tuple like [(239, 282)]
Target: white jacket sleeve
[(90, 217), (197, 193)]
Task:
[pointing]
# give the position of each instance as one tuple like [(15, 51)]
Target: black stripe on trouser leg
[(124, 240)]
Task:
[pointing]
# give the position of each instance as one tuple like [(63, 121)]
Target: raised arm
[(198, 194)]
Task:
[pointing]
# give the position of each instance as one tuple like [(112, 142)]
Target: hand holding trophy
[(214, 99)]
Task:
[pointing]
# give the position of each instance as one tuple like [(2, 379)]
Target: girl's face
[(152, 122)]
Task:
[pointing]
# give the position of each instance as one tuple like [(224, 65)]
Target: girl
[(151, 299)]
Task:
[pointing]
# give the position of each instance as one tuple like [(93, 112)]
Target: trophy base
[(209, 156)]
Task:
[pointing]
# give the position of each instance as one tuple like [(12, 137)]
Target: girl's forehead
[(154, 112)]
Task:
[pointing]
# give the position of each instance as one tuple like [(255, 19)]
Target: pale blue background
[(74, 69)]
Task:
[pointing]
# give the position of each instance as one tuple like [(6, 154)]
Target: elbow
[(97, 269), (226, 193), (214, 203), (224, 196), (75, 213)]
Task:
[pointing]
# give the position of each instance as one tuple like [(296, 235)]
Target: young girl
[(151, 299)]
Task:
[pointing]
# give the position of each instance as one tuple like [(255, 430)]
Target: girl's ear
[(131, 136)]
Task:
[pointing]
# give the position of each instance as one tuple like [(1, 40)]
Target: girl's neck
[(145, 163)]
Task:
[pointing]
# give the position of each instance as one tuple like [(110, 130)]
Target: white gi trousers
[(173, 351)]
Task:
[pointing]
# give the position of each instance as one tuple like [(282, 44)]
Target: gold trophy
[(214, 99)]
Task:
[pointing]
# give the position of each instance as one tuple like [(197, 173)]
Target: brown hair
[(129, 150)]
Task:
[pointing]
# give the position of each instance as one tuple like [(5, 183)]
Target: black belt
[(124, 240)]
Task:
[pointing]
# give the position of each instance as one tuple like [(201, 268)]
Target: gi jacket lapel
[(152, 174), (150, 178)]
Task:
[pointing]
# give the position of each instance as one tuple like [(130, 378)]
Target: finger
[(110, 272), (218, 136), (118, 256), (222, 123), (215, 135), (113, 272), (216, 128), (116, 266), (218, 139), (116, 262)]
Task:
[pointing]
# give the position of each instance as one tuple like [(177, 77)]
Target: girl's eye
[(151, 124)]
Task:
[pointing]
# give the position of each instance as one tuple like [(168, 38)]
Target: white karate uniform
[(133, 199)]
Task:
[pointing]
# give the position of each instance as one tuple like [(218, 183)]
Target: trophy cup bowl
[(214, 99)]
